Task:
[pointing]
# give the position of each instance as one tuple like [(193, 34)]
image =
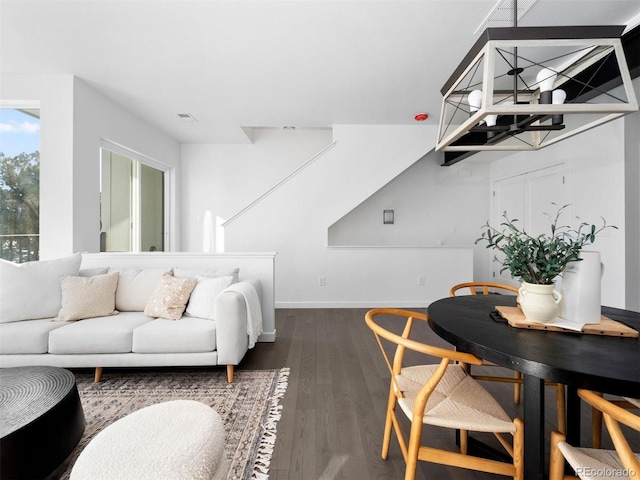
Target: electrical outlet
[(421, 280), (322, 281)]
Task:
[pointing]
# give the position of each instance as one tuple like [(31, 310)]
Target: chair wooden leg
[(230, 373), (388, 423), (560, 409), (556, 460), (596, 427), (97, 375), (517, 388), (518, 449), (464, 442), (414, 448)]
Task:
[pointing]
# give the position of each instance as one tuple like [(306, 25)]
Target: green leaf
[(542, 258)]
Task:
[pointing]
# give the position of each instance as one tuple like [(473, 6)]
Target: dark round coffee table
[(41, 421)]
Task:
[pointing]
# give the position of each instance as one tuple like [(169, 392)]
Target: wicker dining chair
[(442, 394), (594, 463), (596, 417), (484, 288), (487, 288)]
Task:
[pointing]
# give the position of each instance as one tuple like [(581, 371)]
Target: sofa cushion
[(90, 272), (135, 288), (86, 297), (97, 335), (206, 272), (186, 335), (27, 337), (202, 302), (169, 298), (32, 290)]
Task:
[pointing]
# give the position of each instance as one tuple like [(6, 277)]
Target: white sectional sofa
[(58, 312)]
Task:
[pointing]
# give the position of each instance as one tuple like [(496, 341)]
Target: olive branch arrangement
[(539, 259)]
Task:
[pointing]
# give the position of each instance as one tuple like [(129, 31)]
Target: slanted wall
[(294, 221)]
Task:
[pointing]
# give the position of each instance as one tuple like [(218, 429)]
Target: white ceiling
[(267, 63)]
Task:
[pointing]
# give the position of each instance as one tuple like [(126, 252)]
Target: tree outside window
[(19, 184)]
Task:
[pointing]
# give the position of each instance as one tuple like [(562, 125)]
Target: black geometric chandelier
[(524, 88)]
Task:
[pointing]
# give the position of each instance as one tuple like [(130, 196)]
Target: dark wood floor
[(334, 408)]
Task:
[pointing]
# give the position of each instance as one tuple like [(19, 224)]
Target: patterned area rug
[(250, 407)]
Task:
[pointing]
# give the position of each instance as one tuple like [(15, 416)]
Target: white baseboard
[(369, 304), (268, 336)]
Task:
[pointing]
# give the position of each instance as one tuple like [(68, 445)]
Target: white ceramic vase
[(580, 285), (539, 303)]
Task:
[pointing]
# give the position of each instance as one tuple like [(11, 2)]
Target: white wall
[(632, 210), (294, 220), (55, 95), (97, 118), (226, 178), (73, 119), (433, 205)]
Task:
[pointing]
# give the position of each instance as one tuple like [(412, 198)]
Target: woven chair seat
[(594, 464), (458, 401)]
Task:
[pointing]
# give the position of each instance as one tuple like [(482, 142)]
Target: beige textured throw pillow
[(87, 297), (169, 298)]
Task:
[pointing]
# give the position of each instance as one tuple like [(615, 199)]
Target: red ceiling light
[(421, 117)]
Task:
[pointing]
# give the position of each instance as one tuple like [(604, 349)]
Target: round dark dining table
[(607, 364)]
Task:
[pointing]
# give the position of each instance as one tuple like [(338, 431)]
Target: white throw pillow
[(202, 303), (169, 298), (88, 297), (135, 288), (32, 290)]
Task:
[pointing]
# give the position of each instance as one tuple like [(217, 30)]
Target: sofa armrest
[(231, 325)]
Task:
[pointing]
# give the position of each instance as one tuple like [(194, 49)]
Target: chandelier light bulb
[(557, 98), (475, 101), (545, 80), (491, 122)]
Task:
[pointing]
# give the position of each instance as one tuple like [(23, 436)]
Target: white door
[(528, 198), (508, 199), (544, 187)]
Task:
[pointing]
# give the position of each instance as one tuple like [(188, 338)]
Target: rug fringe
[(268, 436)]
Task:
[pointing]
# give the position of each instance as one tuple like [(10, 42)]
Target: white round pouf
[(177, 440)]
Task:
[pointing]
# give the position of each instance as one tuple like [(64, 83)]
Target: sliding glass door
[(151, 209), (132, 205)]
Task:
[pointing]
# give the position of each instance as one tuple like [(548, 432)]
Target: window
[(19, 184), (132, 203)]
